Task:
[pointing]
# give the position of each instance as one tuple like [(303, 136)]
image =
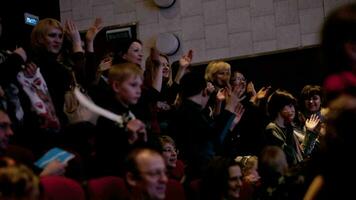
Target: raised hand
[(154, 54), (186, 59), (250, 89), (233, 99), (209, 88), (263, 92), (239, 111), (73, 34), (222, 94), (92, 32), (312, 122)]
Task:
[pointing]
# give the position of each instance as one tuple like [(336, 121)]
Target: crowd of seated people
[(151, 131)]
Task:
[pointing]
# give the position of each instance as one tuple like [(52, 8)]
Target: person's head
[(272, 162), (167, 73), (126, 80), (47, 35), (146, 173), (129, 51), (237, 78), (151, 70), (5, 129), (340, 124), (311, 99), (249, 164), (281, 104), (338, 39), (192, 84), (169, 150), (17, 182), (218, 72), (222, 179)]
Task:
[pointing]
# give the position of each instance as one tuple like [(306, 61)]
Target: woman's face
[(166, 67), (313, 104), (234, 182), (238, 79), (134, 54), (222, 77), (53, 40), (170, 155)]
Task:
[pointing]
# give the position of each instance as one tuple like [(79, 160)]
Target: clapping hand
[(312, 122)]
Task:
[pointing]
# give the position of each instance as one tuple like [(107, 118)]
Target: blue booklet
[(54, 154)]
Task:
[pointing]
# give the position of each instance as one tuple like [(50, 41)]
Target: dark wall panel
[(15, 31)]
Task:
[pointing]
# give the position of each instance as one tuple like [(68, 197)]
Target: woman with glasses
[(170, 153)]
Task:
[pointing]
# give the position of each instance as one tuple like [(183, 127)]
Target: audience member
[(221, 180), (146, 174), (125, 81), (170, 152)]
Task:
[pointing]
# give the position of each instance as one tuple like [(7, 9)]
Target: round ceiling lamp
[(167, 43), (164, 3)]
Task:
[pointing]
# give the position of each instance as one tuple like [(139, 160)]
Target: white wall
[(213, 28)]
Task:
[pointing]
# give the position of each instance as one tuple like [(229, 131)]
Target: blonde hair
[(40, 31), (122, 72), (215, 66), (247, 162), (170, 78), (18, 182), (151, 70)]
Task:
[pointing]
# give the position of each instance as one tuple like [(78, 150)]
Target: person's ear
[(115, 86), (130, 178), (350, 50)]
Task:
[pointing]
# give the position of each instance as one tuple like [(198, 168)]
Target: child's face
[(129, 91), (288, 113)]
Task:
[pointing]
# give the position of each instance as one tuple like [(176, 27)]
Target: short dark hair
[(192, 84), (278, 100), (309, 91), (121, 48)]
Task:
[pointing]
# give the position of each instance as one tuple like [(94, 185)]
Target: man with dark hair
[(198, 136)]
